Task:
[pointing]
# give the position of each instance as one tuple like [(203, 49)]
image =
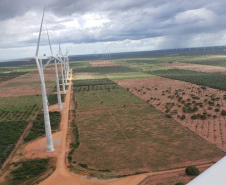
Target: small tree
[(183, 117), (223, 113), (192, 170)]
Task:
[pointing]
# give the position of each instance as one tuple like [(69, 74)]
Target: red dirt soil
[(14, 88), (156, 91), (103, 63)]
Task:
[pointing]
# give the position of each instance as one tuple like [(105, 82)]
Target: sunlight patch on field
[(121, 76)]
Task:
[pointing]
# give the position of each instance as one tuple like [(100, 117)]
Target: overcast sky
[(97, 26)]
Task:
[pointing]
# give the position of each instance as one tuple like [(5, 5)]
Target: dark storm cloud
[(128, 19)]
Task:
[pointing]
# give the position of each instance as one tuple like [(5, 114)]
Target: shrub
[(179, 183), (83, 165), (183, 117), (194, 116), (168, 116), (210, 102), (180, 98), (167, 110), (225, 97), (217, 110), (223, 113), (203, 116), (192, 170)]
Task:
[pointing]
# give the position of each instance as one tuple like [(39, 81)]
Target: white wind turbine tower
[(49, 141), (66, 67), (67, 63), (62, 70), (56, 73)]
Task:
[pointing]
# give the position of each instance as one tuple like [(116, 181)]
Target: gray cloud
[(85, 21)]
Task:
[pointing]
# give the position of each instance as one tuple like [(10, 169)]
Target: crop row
[(96, 87), (212, 80), (10, 132), (38, 128), (21, 108), (102, 81), (25, 172), (52, 99)]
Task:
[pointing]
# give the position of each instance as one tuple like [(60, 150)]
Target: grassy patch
[(10, 132), (38, 128), (131, 136), (136, 138), (88, 82), (52, 99), (131, 75), (80, 64), (26, 171), (22, 108), (116, 97)]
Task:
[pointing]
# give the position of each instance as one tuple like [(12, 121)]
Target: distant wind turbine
[(55, 58), (62, 70)]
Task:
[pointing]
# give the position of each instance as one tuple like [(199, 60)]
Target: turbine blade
[(40, 32), (47, 63), (60, 46), (49, 42)]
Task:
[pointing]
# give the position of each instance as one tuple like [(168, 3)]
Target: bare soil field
[(103, 63), (201, 109), (28, 84), (120, 134), (195, 67)]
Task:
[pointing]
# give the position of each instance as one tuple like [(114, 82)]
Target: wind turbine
[(62, 71), (67, 63), (38, 59), (56, 73), (66, 67)]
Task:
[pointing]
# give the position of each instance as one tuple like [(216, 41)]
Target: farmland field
[(117, 133), (20, 103), (126, 116), (212, 80), (197, 107)]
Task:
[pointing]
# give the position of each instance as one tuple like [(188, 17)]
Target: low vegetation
[(26, 172), (192, 170), (52, 99), (22, 108), (127, 124), (10, 132), (38, 128), (213, 80)]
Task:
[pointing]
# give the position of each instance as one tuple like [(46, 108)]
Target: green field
[(10, 132), (29, 171), (213, 80), (38, 128), (20, 108), (117, 134)]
